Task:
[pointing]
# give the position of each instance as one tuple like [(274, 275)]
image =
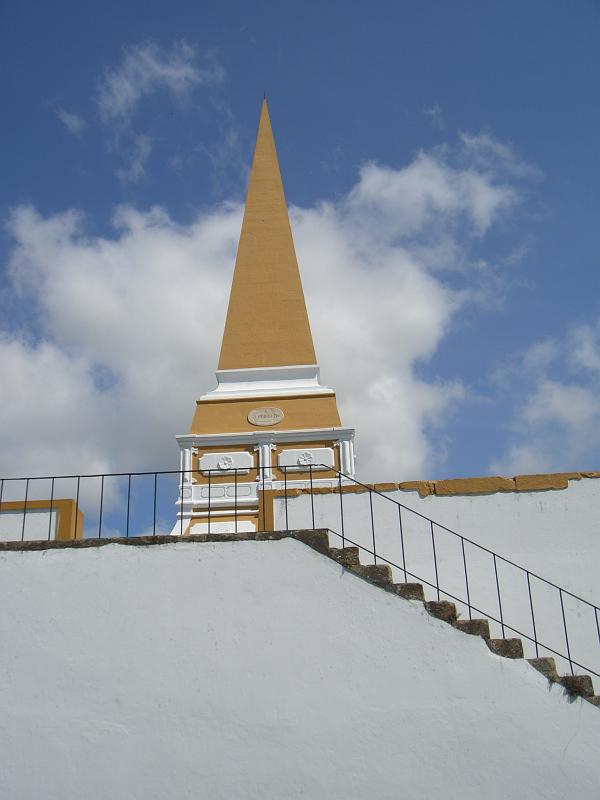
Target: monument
[(269, 424)]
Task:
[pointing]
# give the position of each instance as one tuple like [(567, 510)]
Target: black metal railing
[(549, 618), (571, 612)]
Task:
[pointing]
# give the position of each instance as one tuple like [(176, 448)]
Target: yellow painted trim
[(243, 516), (494, 484), (353, 489), (69, 519), (300, 413), (489, 485), (458, 486), (266, 514)]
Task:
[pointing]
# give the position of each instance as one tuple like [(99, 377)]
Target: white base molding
[(302, 379), (243, 526)]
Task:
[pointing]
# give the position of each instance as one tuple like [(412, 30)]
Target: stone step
[(442, 609), (474, 627), (595, 700), (577, 685), (410, 591), (317, 539), (546, 665), (346, 556), (380, 574), (507, 648)]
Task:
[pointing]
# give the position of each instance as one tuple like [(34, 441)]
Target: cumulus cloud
[(431, 192), (124, 331), (557, 425), (72, 122)]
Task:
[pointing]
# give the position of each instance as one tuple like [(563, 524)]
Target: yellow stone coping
[(458, 486)]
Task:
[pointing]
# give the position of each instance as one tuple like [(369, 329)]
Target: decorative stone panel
[(319, 458), (226, 462)]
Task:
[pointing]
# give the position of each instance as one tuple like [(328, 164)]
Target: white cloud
[(147, 68), (585, 345), (141, 148), (569, 405), (430, 192), (125, 331), (485, 153), (557, 426), (541, 355), (72, 122)]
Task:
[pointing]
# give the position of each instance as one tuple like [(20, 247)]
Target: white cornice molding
[(302, 379), (188, 440)]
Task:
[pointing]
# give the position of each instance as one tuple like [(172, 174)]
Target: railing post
[(499, 599), (25, 509), (154, 506), (287, 524), (437, 579), (181, 503), (101, 503), (128, 504), (262, 497), (235, 510), (209, 493), (462, 542), (372, 526), (312, 499), (77, 504), (537, 650), (402, 543), (51, 506), (341, 508), (562, 608)]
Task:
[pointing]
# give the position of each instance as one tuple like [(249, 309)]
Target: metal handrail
[(433, 525), (464, 538), (489, 616)]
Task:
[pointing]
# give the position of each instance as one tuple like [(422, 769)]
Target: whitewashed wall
[(555, 534), (35, 524), (258, 670)]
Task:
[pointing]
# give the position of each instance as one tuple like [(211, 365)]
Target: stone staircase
[(575, 686)]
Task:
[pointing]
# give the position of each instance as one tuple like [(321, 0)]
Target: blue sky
[(440, 161)]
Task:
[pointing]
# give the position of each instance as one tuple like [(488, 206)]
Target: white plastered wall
[(555, 534), (259, 670)]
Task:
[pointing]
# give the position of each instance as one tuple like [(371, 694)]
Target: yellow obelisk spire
[(269, 424), (267, 324)]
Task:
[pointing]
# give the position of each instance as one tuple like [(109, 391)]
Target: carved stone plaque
[(265, 416)]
